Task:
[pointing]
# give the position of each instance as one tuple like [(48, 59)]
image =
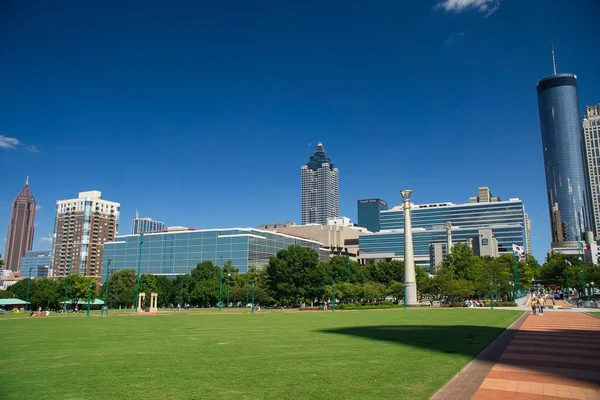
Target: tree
[(121, 288), (46, 294), (165, 288), (293, 275), (463, 263), (396, 290), (372, 291), (79, 286), (5, 294), (384, 272), (19, 289)]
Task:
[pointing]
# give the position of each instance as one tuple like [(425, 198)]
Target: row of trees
[(295, 276)]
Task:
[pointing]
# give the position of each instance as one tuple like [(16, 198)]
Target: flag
[(568, 263), (518, 249)]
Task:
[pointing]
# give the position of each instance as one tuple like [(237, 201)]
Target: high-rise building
[(484, 195), (528, 233), (490, 228), (562, 140), (81, 228), (591, 134), (36, 263), (145, 225), (20, 228), (320, 189), (369, 213)]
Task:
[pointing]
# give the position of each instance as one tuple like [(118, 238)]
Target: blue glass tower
[(566, 184)]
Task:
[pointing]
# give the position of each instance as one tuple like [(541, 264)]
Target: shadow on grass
[(566, 353)]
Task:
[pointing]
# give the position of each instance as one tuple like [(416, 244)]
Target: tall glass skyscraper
[(20, 228), (369, 213), (566, 185), (320, 189)]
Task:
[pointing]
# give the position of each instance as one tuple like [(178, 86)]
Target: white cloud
[(9, 142), (487, 7), (46, 239), (454, 37), (38, 207), (33, 149)]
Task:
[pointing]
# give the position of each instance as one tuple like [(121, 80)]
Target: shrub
[(359, 306), (500, 303)]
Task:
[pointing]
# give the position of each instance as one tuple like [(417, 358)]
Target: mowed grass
[(387, 354)]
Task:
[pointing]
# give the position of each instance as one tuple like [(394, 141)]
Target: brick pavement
[(552, 357)]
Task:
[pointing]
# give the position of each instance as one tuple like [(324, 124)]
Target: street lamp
[(491, 296), (67, 281), (333, 305), (28, 286), (180, 294), (89, 299), (105, 306), (348, 263), (221, 284), (252, 297), (511, 291), (137, 284), (587, 292), (228, 288)]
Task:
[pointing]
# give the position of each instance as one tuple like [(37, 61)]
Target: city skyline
[(230, 129)]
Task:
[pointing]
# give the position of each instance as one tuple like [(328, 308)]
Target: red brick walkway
[(552, 357)]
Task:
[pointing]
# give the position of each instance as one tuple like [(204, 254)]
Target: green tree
[(463, 263), (384, 272), (5, 294), (166, 290), (396, 290), (79, 286), (121, 288), (19, 289), (46, 294), (293, 275), (373, 291)]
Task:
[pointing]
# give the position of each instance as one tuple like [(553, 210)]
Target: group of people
[(473, 303), (537, 304)]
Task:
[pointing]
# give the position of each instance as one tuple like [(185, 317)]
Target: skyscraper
[(591, 134), (20, 228), (320, 189), (562, 140), (81, 228), (368, 213), (145, 225)]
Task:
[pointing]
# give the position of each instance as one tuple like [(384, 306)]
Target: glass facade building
[(369, 213), (39, 261), (175, 253), (506, 219), (562, 139)]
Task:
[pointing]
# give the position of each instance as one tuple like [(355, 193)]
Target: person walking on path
[(541, 304), (533, 303)]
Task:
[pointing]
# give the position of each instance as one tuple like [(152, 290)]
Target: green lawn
[(288, 355)]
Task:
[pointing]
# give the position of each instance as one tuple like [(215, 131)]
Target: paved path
[(551, 357)]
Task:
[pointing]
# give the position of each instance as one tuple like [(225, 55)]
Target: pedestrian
[(533, 303), (541, 304)]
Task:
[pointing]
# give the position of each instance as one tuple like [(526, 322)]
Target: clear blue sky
[(201, 114)]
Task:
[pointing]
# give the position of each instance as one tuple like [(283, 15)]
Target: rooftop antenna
[(27, 180), (553, 56), (137, 215)]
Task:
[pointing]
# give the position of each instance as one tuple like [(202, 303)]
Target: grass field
[(287, 355)]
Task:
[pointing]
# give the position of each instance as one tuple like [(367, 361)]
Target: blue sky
[(201, 114)]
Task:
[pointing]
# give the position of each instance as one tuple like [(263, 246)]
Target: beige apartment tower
[(591, 135), (81, 228)]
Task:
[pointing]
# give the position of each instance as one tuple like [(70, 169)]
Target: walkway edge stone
[(468, 380)]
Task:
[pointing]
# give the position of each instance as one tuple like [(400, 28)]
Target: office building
[(145, 225), (179, 252), (490, 228), (334, 236), (320, 198), (591, 136), (528, 233), (36, 263), (368, 213), (562, 139), (81, 228), (484, 195), (20, 228)]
